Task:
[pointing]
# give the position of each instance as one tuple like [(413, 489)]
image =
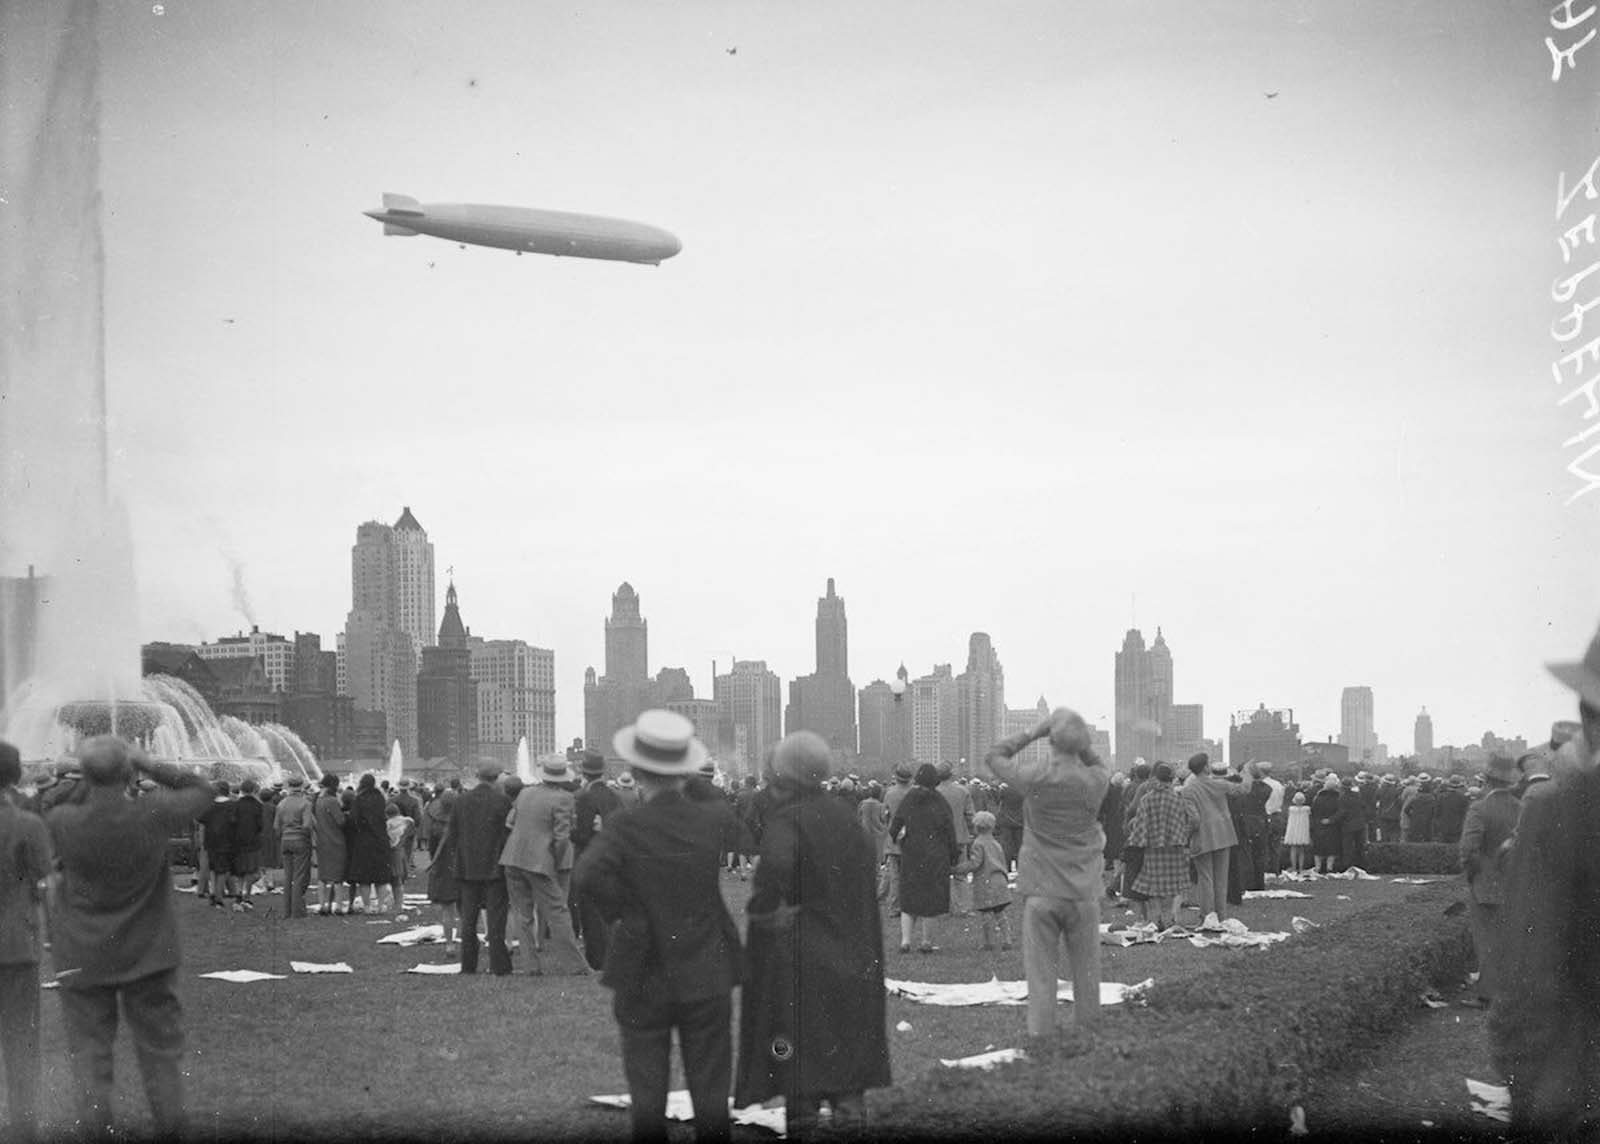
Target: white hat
[(554, 768), (662, 743)]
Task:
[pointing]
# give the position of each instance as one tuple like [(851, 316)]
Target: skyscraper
[(613, 700), (886, 721), (391, 600), (1186, 735), (750, 698), (447, 695), (935, 717), (1355, 724), (1422, 738), (516, 697), (1020, 719), (627, 639), (825, 701), (981, 696), (1159, 700), (1137, 735)]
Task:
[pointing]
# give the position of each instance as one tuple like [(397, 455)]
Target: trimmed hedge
[(1411, 858), (1235, 1046)]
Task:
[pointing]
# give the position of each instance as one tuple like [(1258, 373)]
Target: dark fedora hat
[(1583, 676), (593, 764)]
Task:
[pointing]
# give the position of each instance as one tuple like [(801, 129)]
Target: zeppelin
[(527, 231)]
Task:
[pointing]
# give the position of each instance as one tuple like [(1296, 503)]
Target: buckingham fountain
[(69, 642)]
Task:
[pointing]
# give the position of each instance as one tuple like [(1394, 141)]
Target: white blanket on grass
[(320, 967), (986, 1060), (997, 992), (243, 976), (1252, 895)]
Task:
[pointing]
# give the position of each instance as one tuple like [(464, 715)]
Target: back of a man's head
[(1069, 734), (104, 761)]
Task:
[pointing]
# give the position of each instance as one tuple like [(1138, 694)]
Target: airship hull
[(527, 230)]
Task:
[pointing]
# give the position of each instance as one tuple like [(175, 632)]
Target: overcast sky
[(1001, 315)]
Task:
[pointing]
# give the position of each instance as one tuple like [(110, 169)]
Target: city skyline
[(625, 644), (1159, 336)]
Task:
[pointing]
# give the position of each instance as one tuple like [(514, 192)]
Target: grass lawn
[(386, 1054)]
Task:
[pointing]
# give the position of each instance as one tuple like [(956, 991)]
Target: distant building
[(935, 717), (369, 736), (1330, 756), (1264, 736), (391, 620), (1355, 723), (447, 694), (825, 701), (706, 715), (614, 700), (516, 688), (276, 654), (981, 700), (315, 671), (627, 638), (1422, 738), (21, 598), (1020, 719), (750, 703), (180, 662), (1101, 741), (1143, 681), (1186, 735), (244, 691), (886, 725), (326, 723)]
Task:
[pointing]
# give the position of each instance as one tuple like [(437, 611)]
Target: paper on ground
[(452, 967), (986, 1060), (415, 936), (243, 976), (1251, 895), (1355, 873), (1433, 1001), (1301, 925), (1491, 1100), (903, 1027), (997, 992), (320, 967), (1419, 881), (679, 1107)]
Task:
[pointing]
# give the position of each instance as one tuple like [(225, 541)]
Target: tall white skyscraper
[(1355, 724), (391, 620)]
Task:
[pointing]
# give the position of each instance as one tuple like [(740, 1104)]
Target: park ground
[(381, 1053)]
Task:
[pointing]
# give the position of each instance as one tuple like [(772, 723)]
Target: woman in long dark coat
[(369, 843), (924, 828), (332, 848), (1325, 826), (812, 1025)]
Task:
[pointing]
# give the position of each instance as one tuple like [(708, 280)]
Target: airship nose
[(669, 245)]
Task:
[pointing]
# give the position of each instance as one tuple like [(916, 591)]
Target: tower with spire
[(447, 694), (825, 701)]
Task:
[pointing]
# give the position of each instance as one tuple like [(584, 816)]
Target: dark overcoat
[(1326, 818), (813, 1017), (925, 830), (1544, 1024), (1451, 815), (369, 841)]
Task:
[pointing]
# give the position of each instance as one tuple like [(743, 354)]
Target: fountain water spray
[(396, 765), (524, 761)]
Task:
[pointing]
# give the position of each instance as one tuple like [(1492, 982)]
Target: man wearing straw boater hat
[(673, 956), (1545, 1019)]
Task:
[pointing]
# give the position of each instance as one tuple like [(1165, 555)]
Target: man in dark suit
[(115, 932), (1491, 821), (674, 954), (594, 807), (477, 826)]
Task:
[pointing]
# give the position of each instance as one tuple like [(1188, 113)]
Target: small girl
[(1297, 834), (991, 893), (401, 831)]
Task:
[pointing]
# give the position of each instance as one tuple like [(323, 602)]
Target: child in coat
[(1297, 834), (991, 890), (402, 831)]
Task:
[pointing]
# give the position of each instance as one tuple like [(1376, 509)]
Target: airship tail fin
[(401, 204), (399, 231)]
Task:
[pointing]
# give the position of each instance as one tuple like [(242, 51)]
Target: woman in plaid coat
[(1163, 824)]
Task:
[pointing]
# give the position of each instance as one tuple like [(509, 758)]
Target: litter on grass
[(1297, 1122), (1419, 881), (1341, 897), (986, 1060), (1252, 895), (243, 976), (444, 970), (997, 992), (1354, 874), (320, 967), (679, 1107), (1433, 1001), (1491, 1100), (417, 936), (1303, 925), (1228, 932), (903, 1027)]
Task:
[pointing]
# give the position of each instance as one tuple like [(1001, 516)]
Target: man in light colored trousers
[(1061, 866)]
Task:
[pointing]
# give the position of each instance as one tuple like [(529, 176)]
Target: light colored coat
[(1210, 795), (1063, 844), (541, 831)]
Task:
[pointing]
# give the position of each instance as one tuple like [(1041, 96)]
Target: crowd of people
[(622, 875)]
